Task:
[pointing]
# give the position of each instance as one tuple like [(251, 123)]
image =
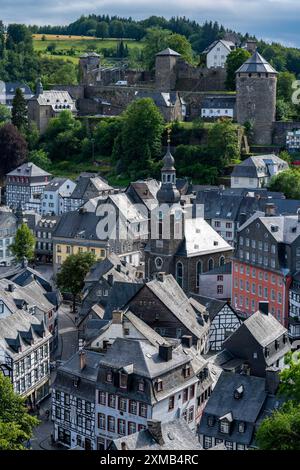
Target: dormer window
[(210, 421), (241, 427), (238, 393), (276, 344), (159, 385), (123, 380), (267, 352), (186, 371), (109, 377), (224, 427), (141, 386)]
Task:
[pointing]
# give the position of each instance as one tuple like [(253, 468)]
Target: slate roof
[(176, 436), (200, 239), (19, 329), (161, 99), (174, 298), (143, 356), (80, 225), (245, 409), (287, 226), (55, 184), (120, 295), (110, 263), (57, 99), (168, 52), (227, 44), (9, 88), (7, 219), (258, 166), (28, 169), (264, 328), (213, 306), (256, 64), (83, 182), (33, 294), (219, 102), (85, 389)]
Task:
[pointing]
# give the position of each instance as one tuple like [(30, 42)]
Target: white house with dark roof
[(8, 91), (256, 172), (217, 52), (24, 354), (54, 195), (25, 186), (217, 106)]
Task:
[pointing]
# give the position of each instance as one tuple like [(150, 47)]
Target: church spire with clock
[(168, 193)]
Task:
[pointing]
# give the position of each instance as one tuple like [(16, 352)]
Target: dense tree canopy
[(288, 182), (16, 424), (19, 111), (24, 244), (73, 271), (138, 144), (13, 148), (234, 61)]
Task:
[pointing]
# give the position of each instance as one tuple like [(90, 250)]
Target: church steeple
[(168, 193)]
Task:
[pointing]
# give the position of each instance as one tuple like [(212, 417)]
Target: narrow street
[(67, 346)]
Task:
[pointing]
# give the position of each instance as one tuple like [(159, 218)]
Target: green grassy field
[(76, 45)]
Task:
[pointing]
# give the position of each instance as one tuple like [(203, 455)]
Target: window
[(132, 407), (159, 385), (112, 401), (67, 399), (179, 273), (109, 377), (79, 403), (121, 427), (122, 404), (198, 273), (185, 395), (241, 427), (171, 403), (224, 427), (101, 421), (191, 414), (229, 445), (210, 421), (143, 410), (111, 424), (192, 391), (58, 412), (88, 407), (186, 371), (88, 424), (102, 398), (207, 442), (67, 416), (79, 420), (222, 261), (131, 428), (123, 380), (210, 264), (220, 278), (220, 290)]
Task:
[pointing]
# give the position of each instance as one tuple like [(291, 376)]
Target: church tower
[(167, 220), (256, 82)]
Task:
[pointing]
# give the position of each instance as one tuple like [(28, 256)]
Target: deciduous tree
[(24, 244)]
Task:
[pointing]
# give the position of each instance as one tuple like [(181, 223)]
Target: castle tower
[(165, 70), (89, 68), (256, 82)]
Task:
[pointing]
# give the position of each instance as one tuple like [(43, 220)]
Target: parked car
[(122, 83)]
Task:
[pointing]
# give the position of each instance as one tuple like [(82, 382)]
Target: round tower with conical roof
[(256, 82)]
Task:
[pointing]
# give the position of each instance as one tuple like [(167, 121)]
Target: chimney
[(118, 268), (11, 287), (154, 427), (263, 307), (82, 359), (270, 209), (251, 45), (161, 277), (272, 380), (187, 341), (110, 279), (117, 317), (165, 352)]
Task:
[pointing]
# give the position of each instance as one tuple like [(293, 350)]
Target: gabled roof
[(228, 44), (259, 166), (213, 306), (200, 238), (174, 298), (284, 228), (28, 169), (264, 328), (176, 435), (256, 64), (144, 357), (120, 295)]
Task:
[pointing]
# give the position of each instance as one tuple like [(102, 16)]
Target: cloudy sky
[(276, 20)]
